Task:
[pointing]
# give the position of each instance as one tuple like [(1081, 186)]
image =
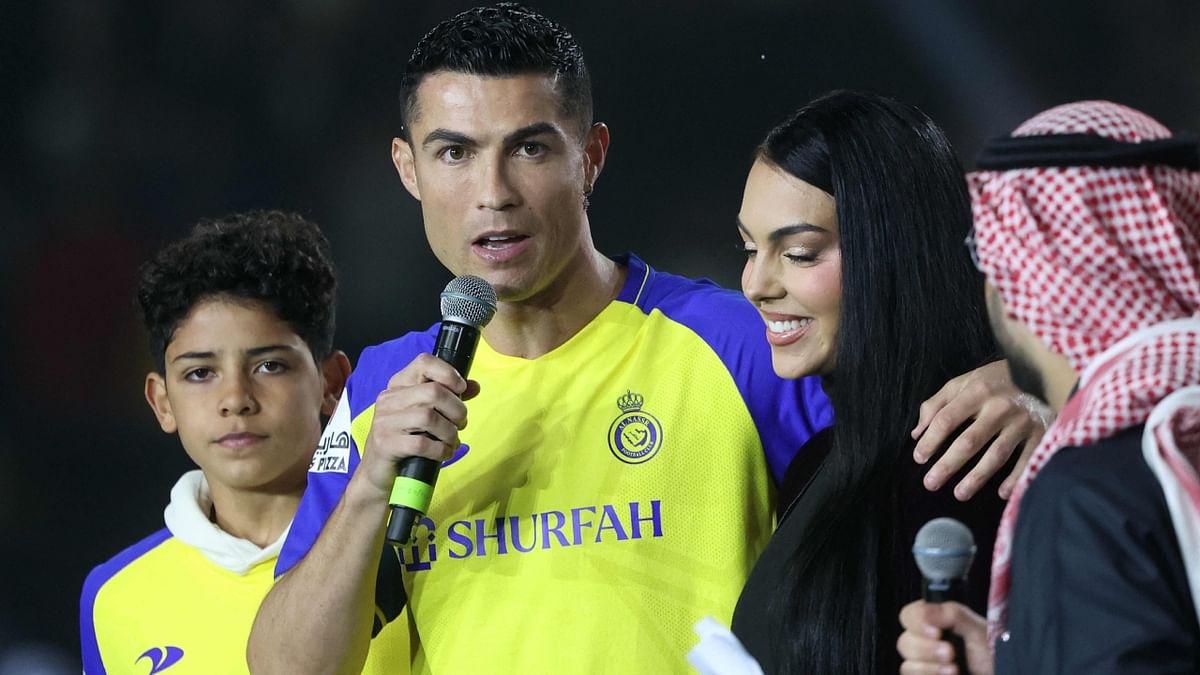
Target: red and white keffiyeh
[(1103, 265)]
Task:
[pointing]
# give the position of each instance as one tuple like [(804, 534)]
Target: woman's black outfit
[(753, 623)]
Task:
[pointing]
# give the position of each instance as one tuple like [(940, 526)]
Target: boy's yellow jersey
[(161, 604), (607, 495)]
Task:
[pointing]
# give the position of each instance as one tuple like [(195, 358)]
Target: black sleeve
[(803, 467), (390, 596), (1098, 579)]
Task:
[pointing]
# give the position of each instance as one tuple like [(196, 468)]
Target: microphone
[(468, 304), (944, 550)]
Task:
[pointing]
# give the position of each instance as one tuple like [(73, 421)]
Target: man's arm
[(1001, 415), (1098, 583), (318, 617)]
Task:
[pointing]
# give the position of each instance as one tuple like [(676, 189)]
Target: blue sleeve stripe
[(376, 365), (787, 413), (92, 663), (321, 497)]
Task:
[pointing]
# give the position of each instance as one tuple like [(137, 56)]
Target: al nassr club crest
[(635, 435)]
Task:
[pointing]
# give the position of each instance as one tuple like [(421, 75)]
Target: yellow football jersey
[(161, 604), (607, 495)]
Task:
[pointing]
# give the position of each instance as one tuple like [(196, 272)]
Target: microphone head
[(944, 549), (468, 300)]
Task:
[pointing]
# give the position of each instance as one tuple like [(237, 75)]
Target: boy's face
[(244, 394), (501, 174)]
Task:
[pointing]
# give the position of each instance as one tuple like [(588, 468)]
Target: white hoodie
[(187, 519)]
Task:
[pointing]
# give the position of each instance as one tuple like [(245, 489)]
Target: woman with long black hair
[(853, 220)]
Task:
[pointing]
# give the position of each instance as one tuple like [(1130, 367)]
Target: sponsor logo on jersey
[(422, 547), (515, 535), (161, 658), (333, 450), (635, 436)]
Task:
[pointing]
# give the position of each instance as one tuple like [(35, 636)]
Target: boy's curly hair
[(273, 257)]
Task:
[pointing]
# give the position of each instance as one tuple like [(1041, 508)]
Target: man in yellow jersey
[(240, 316), (616, 481)]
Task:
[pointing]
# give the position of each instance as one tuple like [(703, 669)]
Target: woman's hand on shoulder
[(1003, 419)]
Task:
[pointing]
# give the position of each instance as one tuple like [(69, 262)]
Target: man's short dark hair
[(273, 257), (500, 40)]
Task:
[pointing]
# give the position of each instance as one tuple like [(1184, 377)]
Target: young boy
[(240, 316)]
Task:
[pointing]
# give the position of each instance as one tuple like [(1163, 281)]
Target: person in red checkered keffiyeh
[(1087, 226)]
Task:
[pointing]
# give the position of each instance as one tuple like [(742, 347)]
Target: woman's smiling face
[(793, 272)]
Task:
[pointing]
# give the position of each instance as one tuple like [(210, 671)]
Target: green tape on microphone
[(411, 493)]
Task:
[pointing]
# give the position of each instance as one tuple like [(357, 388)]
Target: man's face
[(501, 175), (1013, 338)]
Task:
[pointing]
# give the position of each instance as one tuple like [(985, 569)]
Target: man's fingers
[(966, 445), (916, 647), (959, 618), (920, 645), (927, 668), (422, 419), (947, 419), (395, 401), (428, 368), (914, 617), (923, 649), (1000, 421), (1041, 417), (931, 618), (997, 455), (1010, 483), (415, 431), (930, 408)]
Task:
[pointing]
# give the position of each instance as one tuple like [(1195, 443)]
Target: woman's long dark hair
[(912, 317)]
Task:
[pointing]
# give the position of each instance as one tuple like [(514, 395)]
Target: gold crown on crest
[(630, 401)]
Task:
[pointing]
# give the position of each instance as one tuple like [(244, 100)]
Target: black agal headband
[(1181, 151)]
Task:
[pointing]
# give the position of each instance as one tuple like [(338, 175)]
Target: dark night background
[(122, 122)]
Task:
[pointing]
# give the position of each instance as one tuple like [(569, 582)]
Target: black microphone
[(468, 304), (944, 550)]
